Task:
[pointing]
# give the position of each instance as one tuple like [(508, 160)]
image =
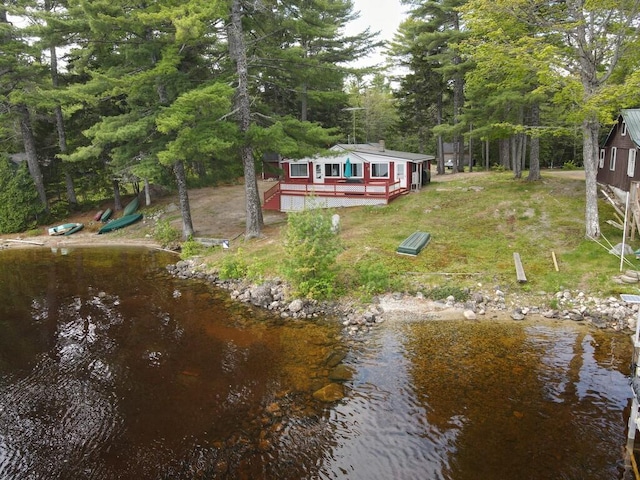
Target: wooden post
[(519, 269), (555, 261)]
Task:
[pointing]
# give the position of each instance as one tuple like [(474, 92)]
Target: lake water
[(111, 369)]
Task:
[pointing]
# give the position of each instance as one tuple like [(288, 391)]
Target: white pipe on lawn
[(624, 231)]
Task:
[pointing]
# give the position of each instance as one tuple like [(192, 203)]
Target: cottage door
[(401, 174), (318, 174)]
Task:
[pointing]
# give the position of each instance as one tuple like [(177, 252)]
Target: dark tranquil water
[(111, 369)]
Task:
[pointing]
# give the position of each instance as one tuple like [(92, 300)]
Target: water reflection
[(105, 375), (111, 369), (462, 400)]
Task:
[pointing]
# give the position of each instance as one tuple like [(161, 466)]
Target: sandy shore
[(79, 239)]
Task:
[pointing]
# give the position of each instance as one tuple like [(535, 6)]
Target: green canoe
[(62, 229), (76, 228), (131, 207), (120, 222), (413, 244), (106, 215)]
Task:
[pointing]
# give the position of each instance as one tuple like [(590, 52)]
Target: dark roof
[(380, 150)]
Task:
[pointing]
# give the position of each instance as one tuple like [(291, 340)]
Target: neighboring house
[(362, 174), (271, 166), (448, 155), (617, 162)]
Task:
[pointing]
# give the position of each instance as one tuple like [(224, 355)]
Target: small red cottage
[(362, 174)]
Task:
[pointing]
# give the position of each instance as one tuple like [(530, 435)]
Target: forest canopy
[(98, 96)]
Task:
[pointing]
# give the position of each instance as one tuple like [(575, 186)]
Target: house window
[(631, 165), (299, 170), (332, 170), (612, 160), (356, 170), (623, 131), (602, 154), (379, 170)]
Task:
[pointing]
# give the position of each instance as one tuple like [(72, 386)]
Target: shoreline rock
[(609, 313)]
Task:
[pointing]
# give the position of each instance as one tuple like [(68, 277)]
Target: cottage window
[(623, 131), (379, 170), (602, 154), (612, 160), (356, 170), (332, 170), (299, 170), (631, 165)]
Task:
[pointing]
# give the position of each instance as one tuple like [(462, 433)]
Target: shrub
[(373, 277), (165, 234), (232, 267), (20, 207), (311, 251), (441, 293), (570, 166), (191, 248)]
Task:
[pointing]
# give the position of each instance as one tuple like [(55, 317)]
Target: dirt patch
[(216, 212), (220, 212)]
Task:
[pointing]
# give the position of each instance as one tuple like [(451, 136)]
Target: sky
[(381, 15)]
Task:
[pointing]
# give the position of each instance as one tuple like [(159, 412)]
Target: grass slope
[(476, 224)]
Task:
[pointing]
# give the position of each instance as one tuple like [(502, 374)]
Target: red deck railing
[(384, 190)]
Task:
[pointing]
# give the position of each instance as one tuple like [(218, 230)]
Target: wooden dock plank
[(519, 268)]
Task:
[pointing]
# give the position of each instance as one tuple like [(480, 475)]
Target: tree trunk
[(515, 156), (304, 102), (239, 55), (117, 201), (534, 157), (470, 150), (458, 103), (504, 153), (183, 195), (147, 192), (201, 169), (590, 132), (440, 139), (62, 136), (30, 149)]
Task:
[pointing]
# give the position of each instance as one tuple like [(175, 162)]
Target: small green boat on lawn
[(414, 243), (120, 223), (106, 215), (66, 229), (77, 228), (131, 207)]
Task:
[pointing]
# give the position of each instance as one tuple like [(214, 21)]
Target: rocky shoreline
[(602, 313)]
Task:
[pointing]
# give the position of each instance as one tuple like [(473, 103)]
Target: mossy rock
[(329, 393)]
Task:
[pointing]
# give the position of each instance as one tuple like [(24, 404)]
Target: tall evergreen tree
[(157, 53), (439, 30), (422, 93), (511, 79), (20, 75), (302, 55)]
